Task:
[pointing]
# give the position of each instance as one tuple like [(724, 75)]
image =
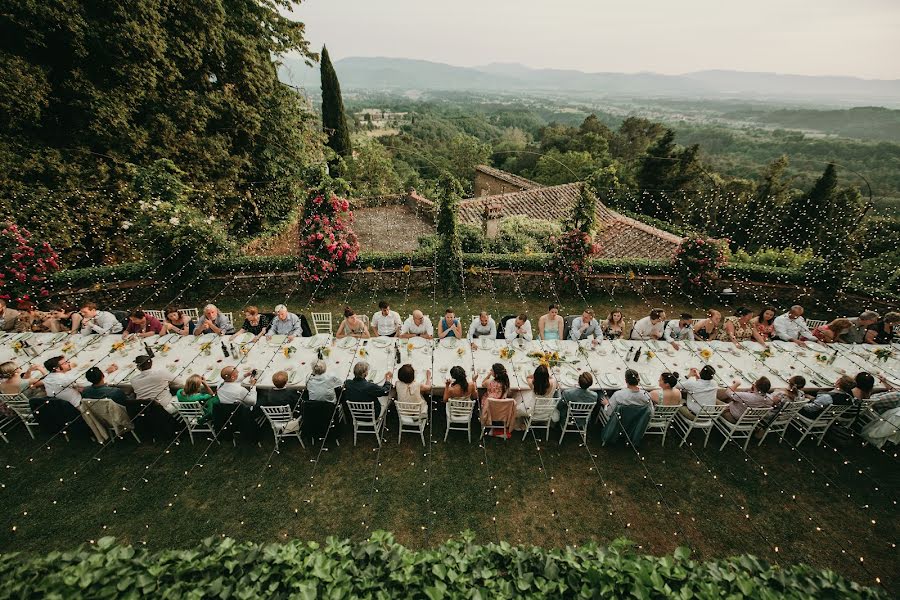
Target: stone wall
[(487, 185)]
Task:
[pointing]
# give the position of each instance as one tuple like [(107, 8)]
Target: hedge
[(381, 568)]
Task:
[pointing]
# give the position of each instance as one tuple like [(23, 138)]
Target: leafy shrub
[(381, 568), (697, 262), (773, 257), (519, 233), (24, 264)]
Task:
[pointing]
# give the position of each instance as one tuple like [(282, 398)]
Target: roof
[(519, 182), (619, 236)]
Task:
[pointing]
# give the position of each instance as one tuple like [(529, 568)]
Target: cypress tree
[(657, 172), (334, 121), (809, 212), (449, 253)]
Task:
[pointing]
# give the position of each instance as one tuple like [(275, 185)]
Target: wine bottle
[(397, 353), (149, 350), (637, 354), (233, 350), (225, 350)]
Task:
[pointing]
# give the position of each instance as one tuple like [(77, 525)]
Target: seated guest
[(791, 327), (757, 397), (764, 325), (518, 328), (841, 395), (582, 393), (630, 395), (30, 318), (551, 325), (351, 326), (650, 327), (213, 321), (178, 322), (8, 316), (98, 321), (540, 384), (359, 389), (832, 332), (886, 400), (449, 325), (408, 391), (143, 325), (700, 390), (459, 386), (321, 386), (285, 323), (614, 325), (385, 322), (882, 332), (865, 383), (709, 328), (98, 388), (232, 390), (496, 382), (858, 327), (677, 330), (738, 328), (667, 394), (254, 323), (13, 380), (63, 319), (153, 385), (197, 390), (279, 395), (417, 325), (60, 380), (793, 393), (584, 326), (482, 326)]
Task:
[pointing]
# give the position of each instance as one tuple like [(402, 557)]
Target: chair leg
[(136, 436), (447, 432), (706, 441)]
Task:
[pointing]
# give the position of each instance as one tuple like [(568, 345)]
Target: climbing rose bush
[(327, 241), (574, 251), (24, 264), (697, 262)]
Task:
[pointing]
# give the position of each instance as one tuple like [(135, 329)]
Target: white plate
[(418, 342), (375, 376), (485, 343), (609, 380), (277, 340), (381, 342), (449, 342), (645, 380), (347, 342)]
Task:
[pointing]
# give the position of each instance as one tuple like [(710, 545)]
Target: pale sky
[(807, 37)]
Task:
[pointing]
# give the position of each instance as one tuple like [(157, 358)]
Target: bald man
[(791, 327), (233, 391), (418, 325)]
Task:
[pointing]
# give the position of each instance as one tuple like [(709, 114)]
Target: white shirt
[(645, 330), (235, 393), (62, 386), (386, 325), (674, 332), (699, 392), (321, 387), (410, 327), (510, 333), (153, 384), (476, 329), (102, 323), (788, 329), (627, 397)]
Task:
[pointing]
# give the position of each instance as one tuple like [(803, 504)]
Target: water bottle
[(233, 350)]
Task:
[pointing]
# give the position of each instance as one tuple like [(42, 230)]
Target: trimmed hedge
[(381, 568)]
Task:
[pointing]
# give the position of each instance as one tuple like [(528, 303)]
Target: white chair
[(493, 425), (540, 416), (364, 420), (819, 425), (743, 429), (19, 405), (279, 417), (660, 421), (704, 420), (322, 322), (411, 419), (813, 323), (779, 425), (157, 314), (578, 416), (459, 416), (191, 413), (193, 313), (230, 317)]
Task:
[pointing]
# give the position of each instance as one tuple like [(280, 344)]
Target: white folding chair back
[(866, 414), (322, 322), (704, 420), (813, 323), (743, 429), (193, 313), (279, 417), (230, 317), (459, 416), (540, 416), (191, 413), (411, 419), (18, 403), (660, 421), (364, 420), (819, 425), (779, 425), (156, 314), (577, 417), (490, 428)]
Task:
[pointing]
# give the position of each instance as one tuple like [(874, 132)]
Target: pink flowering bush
[(24, 264), (327, 241), (697, 262), (574, 251)]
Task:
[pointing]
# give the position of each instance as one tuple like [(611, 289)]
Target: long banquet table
[(607, 360)]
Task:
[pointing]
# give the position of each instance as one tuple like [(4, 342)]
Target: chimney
[(492, 213)]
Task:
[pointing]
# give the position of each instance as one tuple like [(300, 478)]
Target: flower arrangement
[(822, 358), (163, 349), (506, 353), (327, 240), (363, 352), (574, 250), (244, 349), (117, 346), (883, 354), (461, 351), (24, 265), (18, 347), (288, 351), (548, 359), (206, 348), (706, 354), (764, 354), (651, 355), (67, 347), (326, 351), (409, 348), (697, 262)]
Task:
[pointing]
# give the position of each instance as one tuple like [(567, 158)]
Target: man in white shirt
[(285, 323), (417, 325), (791, 327), (482, 326), (233, 391), (60, 380), (98, 321), (520, 327), (650, 327), (385, 322), (154, 385), (699, 391), (679, 330)]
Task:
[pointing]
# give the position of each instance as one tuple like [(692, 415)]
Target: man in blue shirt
[(584, 326)]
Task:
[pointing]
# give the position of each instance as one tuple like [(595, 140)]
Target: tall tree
[(449, 254), (768, 203), (657, 171), (333, 118), (810, 211)]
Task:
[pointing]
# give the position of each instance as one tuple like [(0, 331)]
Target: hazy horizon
[(803, 37)]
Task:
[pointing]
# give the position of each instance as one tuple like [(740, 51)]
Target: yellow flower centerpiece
[(206, 348), (244, 349), (883, 354), (651, 355), (821, 358), (288, 351), (409, 348), (460, 351), (363, 353), (17, 347), (506, 353), (764, 354), (326, 351), (68, 347), (706, 354)]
